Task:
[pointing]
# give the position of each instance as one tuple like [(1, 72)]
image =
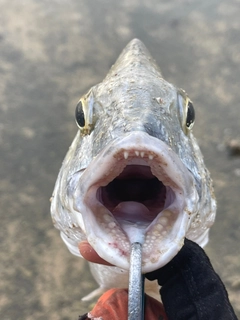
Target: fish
[(134, 172)]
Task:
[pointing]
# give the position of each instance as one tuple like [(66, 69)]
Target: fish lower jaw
[(161, 238)]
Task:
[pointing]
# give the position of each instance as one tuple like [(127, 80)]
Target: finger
[(90, 254)]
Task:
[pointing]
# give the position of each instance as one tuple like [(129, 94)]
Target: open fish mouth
[(136, 189), (135, 196)]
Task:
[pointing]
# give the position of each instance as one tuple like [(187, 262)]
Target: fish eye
[(190, 114), (186, 111), (85, 115), (79, 115)]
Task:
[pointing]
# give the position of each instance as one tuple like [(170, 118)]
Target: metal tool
[(136, 284)]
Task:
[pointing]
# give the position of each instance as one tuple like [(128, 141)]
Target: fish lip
[(103, 232)]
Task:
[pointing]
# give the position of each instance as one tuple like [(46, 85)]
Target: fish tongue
[(131, 211), (133, 218)]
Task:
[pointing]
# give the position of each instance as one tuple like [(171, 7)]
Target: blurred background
[(51, 52)]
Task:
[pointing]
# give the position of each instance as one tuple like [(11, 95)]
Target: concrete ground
[(51, 52)]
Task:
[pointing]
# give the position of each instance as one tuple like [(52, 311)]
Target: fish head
[(134, 172)]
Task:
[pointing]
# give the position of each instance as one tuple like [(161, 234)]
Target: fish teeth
[(163, 221), (125, 153), (138, 153)]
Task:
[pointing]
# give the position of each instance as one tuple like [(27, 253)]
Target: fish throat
[(135, 195)]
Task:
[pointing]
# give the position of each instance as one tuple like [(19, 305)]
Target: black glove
[(191, 290)]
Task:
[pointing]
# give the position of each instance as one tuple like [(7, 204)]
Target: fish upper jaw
[(136, 189)]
